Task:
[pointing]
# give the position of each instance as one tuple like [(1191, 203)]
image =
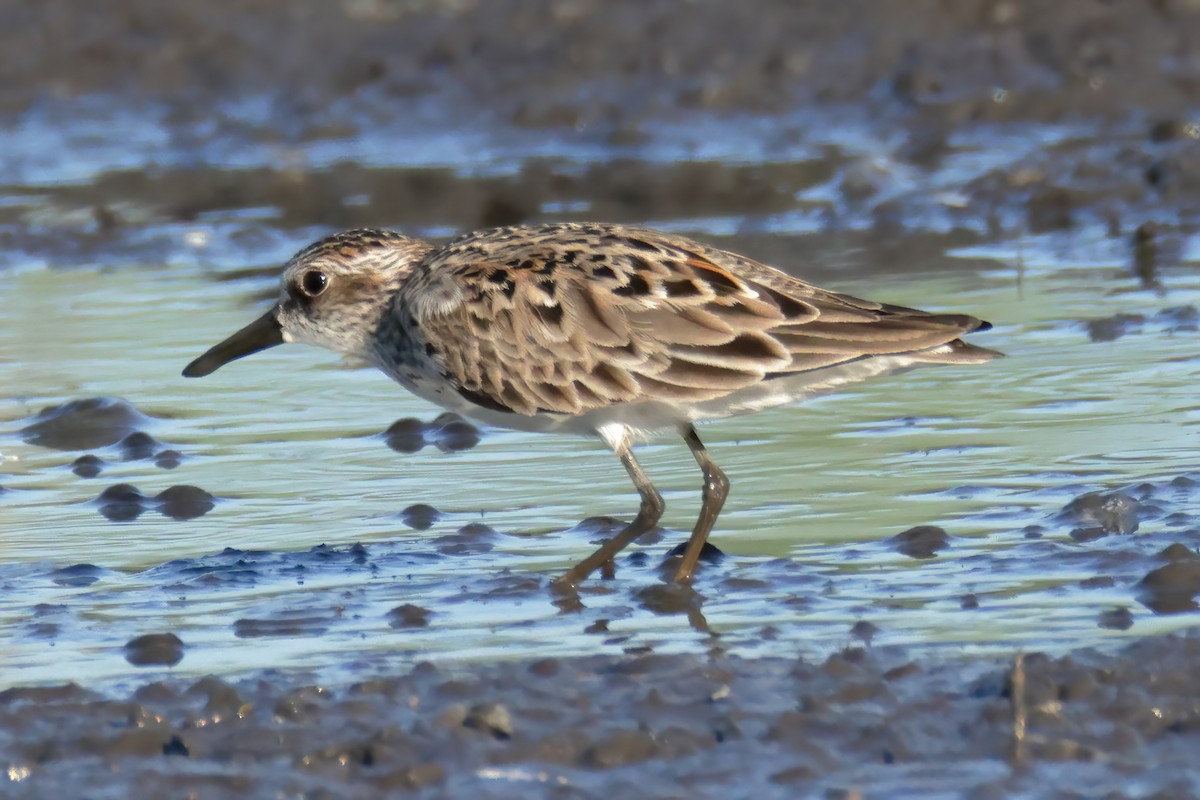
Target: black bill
[(264, 332)]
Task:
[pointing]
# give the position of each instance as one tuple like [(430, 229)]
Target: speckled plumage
[(591, 328)]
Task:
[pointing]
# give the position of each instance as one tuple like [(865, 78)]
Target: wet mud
[(861, 722), (125, 503), (614, 80), (448, 432), (87, 424), (373, 702), (1039, 646), (530, 62)]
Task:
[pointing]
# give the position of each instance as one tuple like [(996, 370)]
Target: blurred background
[(142, 131), (1032, 163)]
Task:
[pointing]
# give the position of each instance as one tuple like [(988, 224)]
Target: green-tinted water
[(288, 441)]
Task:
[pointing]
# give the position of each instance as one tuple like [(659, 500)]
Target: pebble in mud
[(923, 541), (709, 553), (1179, 319), (168, 459), (864, 630), (1178, 551), (1109, 329), (1097, 514), (77, 575), (448, 432), (87, 466), (408, 616), (471, 539), (83, 424), (1088, 534), (184, 502), (1117, 619), (1171, 588), (153, 649), (1176, 319), (419, 516), (138, 446), (405, 435), (121, 502)]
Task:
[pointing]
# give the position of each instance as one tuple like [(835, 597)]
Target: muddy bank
[(148, 134), (532, 62), (862, 721), (171, 156)]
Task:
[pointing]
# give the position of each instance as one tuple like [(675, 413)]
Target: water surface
[(289, 442)]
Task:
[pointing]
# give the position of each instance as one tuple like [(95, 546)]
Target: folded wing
[(572, 317)]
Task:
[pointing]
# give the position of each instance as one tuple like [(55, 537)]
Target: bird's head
[(332, 294)]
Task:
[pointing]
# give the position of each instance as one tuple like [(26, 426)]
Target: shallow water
[(290, 442)]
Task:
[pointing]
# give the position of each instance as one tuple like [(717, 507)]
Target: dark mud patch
[(709, 552), (124, 502), (86, 424), (1117, 619), (420, 516), (138, 446), (655, 724), (349, 194), (1098, 514), (77, 575), (1173, 587), (532, 61), (88, 466), (1173, 320), (923, 541), (234, 568), (628, 89), (287, 624), (448, 432), (94, 423), (409, 615), (471, 539), (153, 649)]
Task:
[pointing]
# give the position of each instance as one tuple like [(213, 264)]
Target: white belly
[(646, 417)]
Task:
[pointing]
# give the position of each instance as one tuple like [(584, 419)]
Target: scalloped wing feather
[(573, 317)]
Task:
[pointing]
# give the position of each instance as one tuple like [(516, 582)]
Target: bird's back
[(580, 319)]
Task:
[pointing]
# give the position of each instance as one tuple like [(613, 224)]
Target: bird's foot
[(672, 565)]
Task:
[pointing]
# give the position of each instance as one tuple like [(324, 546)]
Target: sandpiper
[(596, 329)]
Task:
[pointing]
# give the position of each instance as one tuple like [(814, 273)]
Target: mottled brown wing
[(568, 318)]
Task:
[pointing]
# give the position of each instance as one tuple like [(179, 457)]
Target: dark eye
[(313, 282)]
